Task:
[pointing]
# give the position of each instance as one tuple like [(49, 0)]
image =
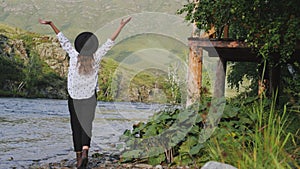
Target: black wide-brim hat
[(86, 43)]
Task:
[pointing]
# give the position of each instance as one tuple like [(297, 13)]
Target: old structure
[(230, 50)]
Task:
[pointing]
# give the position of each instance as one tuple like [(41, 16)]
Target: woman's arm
[(64, 41), (117, 32), (56, 30)]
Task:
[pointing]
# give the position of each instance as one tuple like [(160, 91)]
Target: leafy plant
[(242, 73), (156, 140), (242, 138)]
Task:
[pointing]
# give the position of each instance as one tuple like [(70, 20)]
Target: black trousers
[(82, 114)]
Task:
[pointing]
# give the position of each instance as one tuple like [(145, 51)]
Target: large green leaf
[(155, 160), (132, 154), (196, 149)]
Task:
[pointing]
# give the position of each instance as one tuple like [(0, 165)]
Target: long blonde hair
[(85, 64)]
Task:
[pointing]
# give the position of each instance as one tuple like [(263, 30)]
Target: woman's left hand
[(44, 22)]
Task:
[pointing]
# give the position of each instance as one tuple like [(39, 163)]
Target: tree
[(11, 73), (270, 27)]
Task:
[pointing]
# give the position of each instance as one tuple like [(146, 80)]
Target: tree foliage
[(10, 72), (270, 27)]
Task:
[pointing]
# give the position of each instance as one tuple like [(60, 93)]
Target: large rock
[(49, 50), (217, 165)]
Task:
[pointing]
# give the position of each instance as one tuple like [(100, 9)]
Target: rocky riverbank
[(102, 161), (112, 161)]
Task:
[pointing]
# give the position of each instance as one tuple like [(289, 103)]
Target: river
[(38, 130)]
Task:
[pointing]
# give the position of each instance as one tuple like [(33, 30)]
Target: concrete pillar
[(219, 87)]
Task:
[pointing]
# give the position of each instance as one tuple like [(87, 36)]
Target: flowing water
[(38, 130)]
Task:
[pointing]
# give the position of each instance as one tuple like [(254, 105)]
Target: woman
[(82, 82)]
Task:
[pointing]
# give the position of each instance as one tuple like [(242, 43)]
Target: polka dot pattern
[(82, 86)]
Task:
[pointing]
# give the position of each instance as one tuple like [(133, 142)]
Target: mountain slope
[(77, 15)]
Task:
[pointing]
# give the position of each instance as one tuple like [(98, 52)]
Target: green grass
[(265, 147)]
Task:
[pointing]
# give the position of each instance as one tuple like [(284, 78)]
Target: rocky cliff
[(49, 50), (32, 65)]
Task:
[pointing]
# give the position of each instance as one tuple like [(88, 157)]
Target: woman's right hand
[(124, 22)]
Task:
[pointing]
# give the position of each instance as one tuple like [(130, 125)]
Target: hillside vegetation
[(34, 65)]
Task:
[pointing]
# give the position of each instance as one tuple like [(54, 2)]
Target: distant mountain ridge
[(77, 15)]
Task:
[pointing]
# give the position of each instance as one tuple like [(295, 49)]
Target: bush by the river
[(252, 133)]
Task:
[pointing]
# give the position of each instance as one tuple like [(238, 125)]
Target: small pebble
[(158, 167), (146, 166)]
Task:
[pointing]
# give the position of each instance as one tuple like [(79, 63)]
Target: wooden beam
[(230, 50), (194, 75)]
